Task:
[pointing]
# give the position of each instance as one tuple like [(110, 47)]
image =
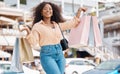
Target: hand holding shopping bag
[(87, 34)]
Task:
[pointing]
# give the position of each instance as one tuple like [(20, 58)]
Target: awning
[(114, 26), (111, 19), (7, 20), (11, 11), (4, 54), (15, 13)]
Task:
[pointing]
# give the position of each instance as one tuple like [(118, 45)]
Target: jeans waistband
[(55, 45), (51, 49)]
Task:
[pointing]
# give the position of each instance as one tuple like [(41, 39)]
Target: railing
[(109, 50), (12, 32), (105, 52)]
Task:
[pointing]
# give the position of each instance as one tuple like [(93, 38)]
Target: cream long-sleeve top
[(45, 35)]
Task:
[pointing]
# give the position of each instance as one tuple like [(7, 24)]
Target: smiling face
[(47, 11)]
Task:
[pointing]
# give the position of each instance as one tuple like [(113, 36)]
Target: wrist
[(28, 31), (78, 14)]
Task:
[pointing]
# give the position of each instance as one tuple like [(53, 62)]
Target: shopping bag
[(97, 36), (87, 34), (78, 36), (22, 52), (91, 40), (26, 54), (16, 64)]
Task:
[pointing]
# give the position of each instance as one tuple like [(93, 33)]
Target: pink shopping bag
[(79, 36), (97, 36), (87, 34)]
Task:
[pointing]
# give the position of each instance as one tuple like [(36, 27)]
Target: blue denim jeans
[(52, 59)]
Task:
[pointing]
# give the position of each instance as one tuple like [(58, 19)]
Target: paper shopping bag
[(87, 34), (16, 64), (79, 36), (26, 54), (91, 40), (97, 36)]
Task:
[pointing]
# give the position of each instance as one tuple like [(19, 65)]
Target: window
[(23, 2), (76, 63)]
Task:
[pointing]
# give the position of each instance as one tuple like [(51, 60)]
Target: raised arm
[(73, 22)]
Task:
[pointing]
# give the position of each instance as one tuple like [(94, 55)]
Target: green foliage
[(2, 0), (23, 2)]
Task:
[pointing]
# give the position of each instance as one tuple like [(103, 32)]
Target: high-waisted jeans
[(52, 59)]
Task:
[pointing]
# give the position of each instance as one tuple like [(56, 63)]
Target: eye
[(45, 8), (50, 8)]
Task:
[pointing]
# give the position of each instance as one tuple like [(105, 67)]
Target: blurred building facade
[(18, 12)]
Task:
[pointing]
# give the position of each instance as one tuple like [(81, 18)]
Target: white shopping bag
[(16, 64)]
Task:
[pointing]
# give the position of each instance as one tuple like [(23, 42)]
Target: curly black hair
[(57, 17)]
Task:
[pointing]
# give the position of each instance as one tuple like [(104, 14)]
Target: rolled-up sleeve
[(33, 37), (70, 24)]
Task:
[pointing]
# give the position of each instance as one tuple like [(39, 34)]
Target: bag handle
[(61, 31)]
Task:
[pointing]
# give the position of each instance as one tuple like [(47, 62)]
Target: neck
[(47, 20)]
